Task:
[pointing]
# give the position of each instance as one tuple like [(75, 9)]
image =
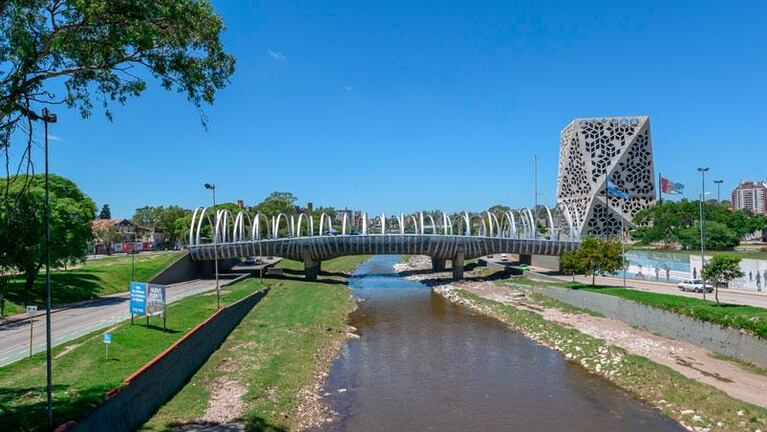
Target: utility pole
[(702, 172), (212, 187)]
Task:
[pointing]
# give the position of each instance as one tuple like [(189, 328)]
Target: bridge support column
[(438, 264), (526, 259), (311, 267), (458, 264)]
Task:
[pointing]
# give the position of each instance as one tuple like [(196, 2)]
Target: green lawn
[(275, 352), (81, 374), (94, 278), (753, 319)]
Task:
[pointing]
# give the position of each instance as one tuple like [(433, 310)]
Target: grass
[(94, 278), (82, 375), (277, 350), (675, 395), (750, 318)]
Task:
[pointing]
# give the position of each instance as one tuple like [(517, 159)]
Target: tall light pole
[(212, 187), (702, 172), (48, 117), (718, 186), (535, 199)]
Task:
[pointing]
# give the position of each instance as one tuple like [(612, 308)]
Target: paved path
[(71, 323)]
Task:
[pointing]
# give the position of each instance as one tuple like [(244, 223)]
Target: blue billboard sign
[(138, 298)]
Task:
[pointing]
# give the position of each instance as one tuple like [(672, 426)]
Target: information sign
[(138, 298), (156, 300)]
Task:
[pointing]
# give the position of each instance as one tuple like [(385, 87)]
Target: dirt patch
[(225, 403)]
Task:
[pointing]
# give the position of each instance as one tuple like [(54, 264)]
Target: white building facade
[(593, 150)]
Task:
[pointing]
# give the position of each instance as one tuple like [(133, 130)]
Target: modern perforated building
[(595, 149)]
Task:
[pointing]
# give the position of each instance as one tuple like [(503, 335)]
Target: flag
[(612, 189), (671, 188)]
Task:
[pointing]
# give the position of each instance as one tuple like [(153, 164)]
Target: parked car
[(504, 257), (694, 285)]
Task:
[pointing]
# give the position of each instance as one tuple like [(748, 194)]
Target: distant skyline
[(403, 106)]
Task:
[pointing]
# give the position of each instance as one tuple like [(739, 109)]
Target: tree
[(107, 236), (595, 256), (22, 228), (679, 222), (572, 264), (95, 52), (105, 212), (160, 217), (721, 269)]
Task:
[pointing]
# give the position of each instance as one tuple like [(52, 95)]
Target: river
[(423, 363)]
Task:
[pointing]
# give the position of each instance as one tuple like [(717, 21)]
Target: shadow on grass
[(255, 424), (301, 278), (24, 408), (66, 287)]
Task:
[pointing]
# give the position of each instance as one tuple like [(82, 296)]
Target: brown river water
[(424, 364)]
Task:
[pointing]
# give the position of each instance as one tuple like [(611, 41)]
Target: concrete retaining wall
[(128, 407), (185, 269), (723, 340)]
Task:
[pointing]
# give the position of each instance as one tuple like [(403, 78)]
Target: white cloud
[(349, 88), (277, 55), (54, 138)]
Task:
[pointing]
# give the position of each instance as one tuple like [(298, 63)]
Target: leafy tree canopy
[(81, 52), (163, 218), (677, 222), (594, 256), (22, 227)]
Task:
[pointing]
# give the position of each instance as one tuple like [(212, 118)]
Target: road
[(725, 295), (73, 322)]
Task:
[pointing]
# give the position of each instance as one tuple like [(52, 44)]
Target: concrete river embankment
[(422, 363)]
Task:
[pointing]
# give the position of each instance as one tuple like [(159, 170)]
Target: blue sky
[(403, 105)]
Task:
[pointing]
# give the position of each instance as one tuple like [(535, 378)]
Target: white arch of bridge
[(560, 221)]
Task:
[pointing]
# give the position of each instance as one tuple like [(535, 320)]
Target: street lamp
[(718, 185), (702, 172), (47, 117), (212, 187)]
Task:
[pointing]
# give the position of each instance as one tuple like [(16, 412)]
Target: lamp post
[(48, 117), (702, 171), (718, 185), (212, 187)]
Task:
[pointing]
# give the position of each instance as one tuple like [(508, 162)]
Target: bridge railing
[(221, 226)]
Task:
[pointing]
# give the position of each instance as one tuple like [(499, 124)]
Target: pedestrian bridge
[(455, 237)]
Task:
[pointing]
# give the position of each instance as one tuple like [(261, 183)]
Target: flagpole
[(607, 197), (660, 188)]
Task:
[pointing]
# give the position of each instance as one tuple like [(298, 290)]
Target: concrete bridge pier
[(311, 266), (438, 264), (457, 263)]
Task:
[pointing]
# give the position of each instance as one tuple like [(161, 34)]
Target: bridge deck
[(319, 248)]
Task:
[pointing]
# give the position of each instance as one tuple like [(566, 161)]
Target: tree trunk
[(593, 279), (716, 292), (29, 284)]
